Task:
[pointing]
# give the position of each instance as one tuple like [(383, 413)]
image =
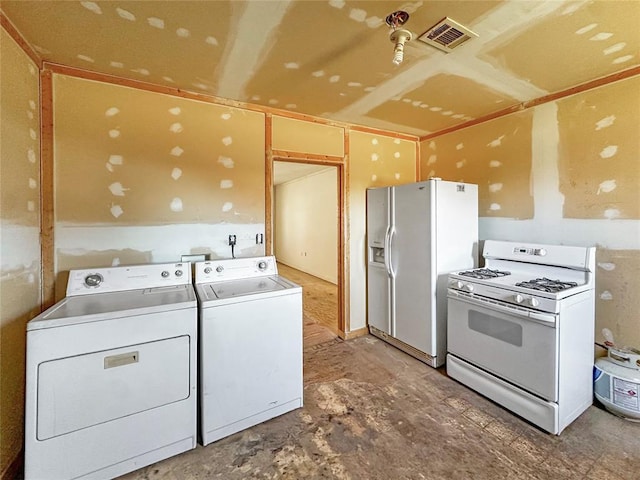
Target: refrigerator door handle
[(392, 234), (387, 238)]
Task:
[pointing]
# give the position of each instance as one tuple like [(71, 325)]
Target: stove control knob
[(459, 285), (164, 274), (534, 302), (518, 298), (178, 273), (468, 287), (219, 268), (207, 270)]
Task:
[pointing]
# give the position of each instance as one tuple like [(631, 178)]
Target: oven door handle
[(548, 319)]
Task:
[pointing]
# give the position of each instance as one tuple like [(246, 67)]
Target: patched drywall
[(495, 155), (443, 101), (306, 224), (374, 161), (598, 177), (299, 136), (573, 180), (20, 262), (589, 39), (147, 177)]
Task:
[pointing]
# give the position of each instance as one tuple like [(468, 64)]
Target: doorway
[(306, 241)]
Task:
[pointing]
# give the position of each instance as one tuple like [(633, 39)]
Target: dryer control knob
[(93, 280), (207, 270), (164, 274), (178, 273), (262, 265), (219, 268)]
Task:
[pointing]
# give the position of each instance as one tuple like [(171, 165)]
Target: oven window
[(496, 327)]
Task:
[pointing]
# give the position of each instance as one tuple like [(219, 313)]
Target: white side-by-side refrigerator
[(416, 234)]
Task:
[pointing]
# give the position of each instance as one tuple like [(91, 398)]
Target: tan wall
[(374, 161), (142, 177), (307, 137), (565, 172), (19, 236), (306, 224)]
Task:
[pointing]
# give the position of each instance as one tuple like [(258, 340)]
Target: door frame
[(329, 161)]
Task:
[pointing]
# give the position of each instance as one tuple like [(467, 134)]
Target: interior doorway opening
[(306, 219)]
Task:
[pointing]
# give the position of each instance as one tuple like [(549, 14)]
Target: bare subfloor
[(373, 412)]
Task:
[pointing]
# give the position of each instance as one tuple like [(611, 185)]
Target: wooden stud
[(47, 199)]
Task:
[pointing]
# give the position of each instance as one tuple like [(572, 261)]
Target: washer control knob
[(262, 265), (219, 269), (207, 270), (178, 273), (93, 280), (518, 298), (534, 302), (164, 274), (468, 287)]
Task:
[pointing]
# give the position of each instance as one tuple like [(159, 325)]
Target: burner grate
[(484, 273), (547, 285)]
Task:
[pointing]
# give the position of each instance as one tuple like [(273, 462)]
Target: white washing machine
[(111, 373), (250, 344)]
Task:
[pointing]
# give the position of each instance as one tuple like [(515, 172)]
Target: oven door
[(517, 345)]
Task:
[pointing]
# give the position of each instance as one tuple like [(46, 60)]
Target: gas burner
[(484, 273), (547, 285)]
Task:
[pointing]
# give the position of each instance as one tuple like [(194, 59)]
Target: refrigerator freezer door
[(411, 256), (379, 282)]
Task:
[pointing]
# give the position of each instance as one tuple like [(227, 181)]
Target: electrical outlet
[(232, 239)]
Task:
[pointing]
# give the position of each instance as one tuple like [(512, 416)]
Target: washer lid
[(247, 286)]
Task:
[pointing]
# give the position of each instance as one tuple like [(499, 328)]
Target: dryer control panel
[(235, 268), (122, 278)]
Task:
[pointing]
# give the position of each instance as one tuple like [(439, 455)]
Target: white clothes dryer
[(250, 344), (111, 373)]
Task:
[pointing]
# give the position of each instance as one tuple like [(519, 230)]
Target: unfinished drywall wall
[(306, 224), (143, 177), (20, 262), (572, 180), (299, 136), (374, 161)]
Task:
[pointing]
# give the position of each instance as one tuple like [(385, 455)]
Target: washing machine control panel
[(235, 268), (121, 278)]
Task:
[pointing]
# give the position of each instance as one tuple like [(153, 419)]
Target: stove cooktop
[(547, 285)]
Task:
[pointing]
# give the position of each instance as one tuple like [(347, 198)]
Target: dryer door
[(84, 390)]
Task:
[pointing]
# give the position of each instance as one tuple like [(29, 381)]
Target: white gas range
[(521, 330)]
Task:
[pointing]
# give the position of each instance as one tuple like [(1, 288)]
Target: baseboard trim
[(14, 468), (360, 332)]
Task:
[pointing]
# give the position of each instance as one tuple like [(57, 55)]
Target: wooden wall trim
[(344, 320), (47, 217), (12, 472), (268, 185), (176, 92), (418, 161), (308, 157), (599, 82), (19, 39), (356, 333)]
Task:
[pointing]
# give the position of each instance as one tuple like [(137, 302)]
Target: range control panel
[(133, 277), (235, 268)]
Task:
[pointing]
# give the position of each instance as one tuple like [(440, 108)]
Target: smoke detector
[(446, 35)]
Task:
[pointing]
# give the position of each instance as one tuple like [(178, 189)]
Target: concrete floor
[(373, 412)]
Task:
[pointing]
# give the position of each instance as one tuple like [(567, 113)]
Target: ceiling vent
[(446, 35)]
